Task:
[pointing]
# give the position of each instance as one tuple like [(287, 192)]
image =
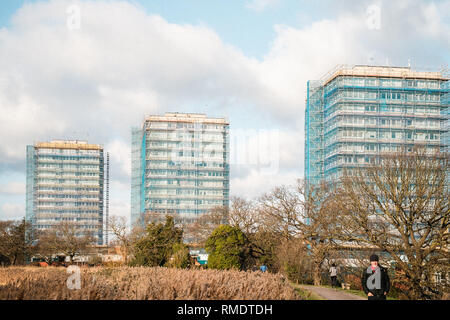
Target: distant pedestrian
[(263, 268), (333, 275), (375, 280)]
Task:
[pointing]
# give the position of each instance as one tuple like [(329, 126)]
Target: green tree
[(156, 246), (180, 257), (14, 245), (228, 248)]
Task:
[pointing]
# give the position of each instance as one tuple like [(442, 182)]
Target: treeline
[(15, 249), (397, 207), (19, 243)]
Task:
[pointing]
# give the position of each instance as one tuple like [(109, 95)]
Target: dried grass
[(141, 283)]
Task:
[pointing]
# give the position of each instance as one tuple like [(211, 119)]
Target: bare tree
[(123, 237), (280, 211), (400, 204), (204, 225), (47, 245), (303, 213), (65, 238), (293, 261), (244, 215), (317, 226)]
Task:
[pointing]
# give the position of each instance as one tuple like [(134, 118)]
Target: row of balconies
[(63, 170), (379, 126), (46, 207), (333, 153), (401, 140), (180, 206), (196, 177), (61, 175), (421, 115), (94, 200), (219, 158), (184, 196), (180, 139), (50, 161), (69, 184), (68, 192), (184, 167), (177, 186), (43, 215)]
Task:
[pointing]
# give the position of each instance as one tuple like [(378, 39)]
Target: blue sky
[(249, 30), (248, 60), (235, 21)]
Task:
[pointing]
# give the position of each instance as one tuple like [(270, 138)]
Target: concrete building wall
[(65, 184), (356, 113), (180, 166)]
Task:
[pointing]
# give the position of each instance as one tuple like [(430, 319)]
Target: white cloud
[(260, 5), (12, 211), (97, 82), (120, 155), (13, 188), (257, 182), (120, 199)]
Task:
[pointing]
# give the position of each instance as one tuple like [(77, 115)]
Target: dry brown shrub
[(142, 283)]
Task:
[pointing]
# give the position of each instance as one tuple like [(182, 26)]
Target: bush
[(227, 247), (156, 247), (180, 257), (354, 281), (294, 263)]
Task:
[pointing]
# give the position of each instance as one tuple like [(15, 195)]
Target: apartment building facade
[(180, 166), (65, 184), (356, 113)]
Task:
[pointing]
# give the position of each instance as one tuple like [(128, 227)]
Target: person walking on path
[(263, 268), (333, 275), (375, 280)]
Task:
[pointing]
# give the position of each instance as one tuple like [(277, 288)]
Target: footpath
[(331, 294)]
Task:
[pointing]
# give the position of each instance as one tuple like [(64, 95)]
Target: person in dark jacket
[(375, 280)]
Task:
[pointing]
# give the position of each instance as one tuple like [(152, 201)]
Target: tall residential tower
[(356, 113), (180, 166), (65, 184)]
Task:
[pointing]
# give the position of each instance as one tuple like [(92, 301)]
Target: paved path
[(332, 294)]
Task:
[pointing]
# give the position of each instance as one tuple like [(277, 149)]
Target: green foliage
[(180, 257), (15, 246), (156, 247), (263, 249), (227, 247)]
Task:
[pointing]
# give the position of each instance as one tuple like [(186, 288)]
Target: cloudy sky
[(90, 70)]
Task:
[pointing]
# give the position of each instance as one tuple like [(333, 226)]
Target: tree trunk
[(317, 278), (416, 290), (125, 255)]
